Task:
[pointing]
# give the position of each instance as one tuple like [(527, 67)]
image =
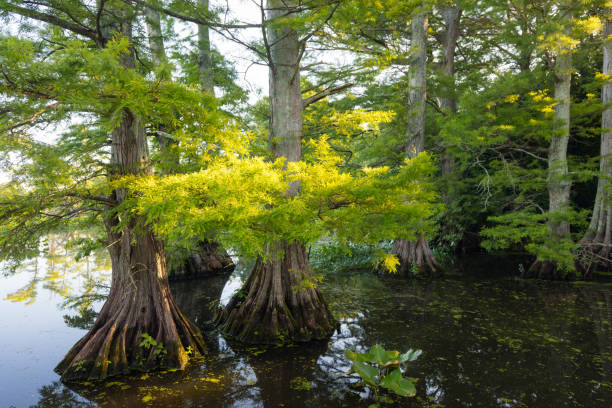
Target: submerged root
[(279, 303)]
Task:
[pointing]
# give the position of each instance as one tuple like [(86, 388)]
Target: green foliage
[(531, 230), (149, 342), (382, 368), (243, 202), (330, 255)]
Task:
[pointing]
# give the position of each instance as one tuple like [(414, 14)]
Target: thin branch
[(197, 20)]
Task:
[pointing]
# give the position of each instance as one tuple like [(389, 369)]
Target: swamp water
[(486, 341)]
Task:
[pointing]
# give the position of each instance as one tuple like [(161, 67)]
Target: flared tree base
[(206, 260), (140, 327), (279, 302), (547, 270), (415, 257), (126, 339)]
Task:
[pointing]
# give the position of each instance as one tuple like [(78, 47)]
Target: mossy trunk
[(205, 65), (597, 241), (280, 302), (207, 257)]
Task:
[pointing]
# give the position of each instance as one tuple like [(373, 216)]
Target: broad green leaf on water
[(381, 356), (410, 355), (352, 356), (366, 372), (398, 384)]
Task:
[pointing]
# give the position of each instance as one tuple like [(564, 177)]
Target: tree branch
[(326, 93), (48, 18)]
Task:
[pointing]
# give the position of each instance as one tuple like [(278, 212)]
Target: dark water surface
[(487, 342)]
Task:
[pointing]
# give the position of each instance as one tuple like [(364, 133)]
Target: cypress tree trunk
[(207, 257), (277, 304), (282, 304), (452, 17), (140, 301), (448, 102), (597, 241), (416, 252), (559, 184), (204, 54), (448, 105), (156, 39)]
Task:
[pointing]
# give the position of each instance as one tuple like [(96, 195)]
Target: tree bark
[(597, 241), (280, 302), (559, 184), (204, 54), (140, 301), (448, 105), (416, 252), (156, 39), (452, 18)]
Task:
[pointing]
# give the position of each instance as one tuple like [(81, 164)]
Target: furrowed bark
[(416, 252), (280, 302), (597, 241), (140, 302)]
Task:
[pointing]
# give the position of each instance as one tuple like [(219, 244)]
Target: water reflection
[(487, 343)]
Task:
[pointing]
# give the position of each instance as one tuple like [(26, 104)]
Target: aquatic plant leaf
[(398, 384), (380, 355), (366, 372)]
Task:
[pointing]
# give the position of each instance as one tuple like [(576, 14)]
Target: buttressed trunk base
[(413, 254), (279, 302), (546, 270), (139, 305)]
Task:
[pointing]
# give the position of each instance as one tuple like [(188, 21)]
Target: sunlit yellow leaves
[(558, 43), (511, 98), (389, 263), (244, 201), (589, 26)]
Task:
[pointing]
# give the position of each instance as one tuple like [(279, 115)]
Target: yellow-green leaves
[(243, 201), (389, 263)]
